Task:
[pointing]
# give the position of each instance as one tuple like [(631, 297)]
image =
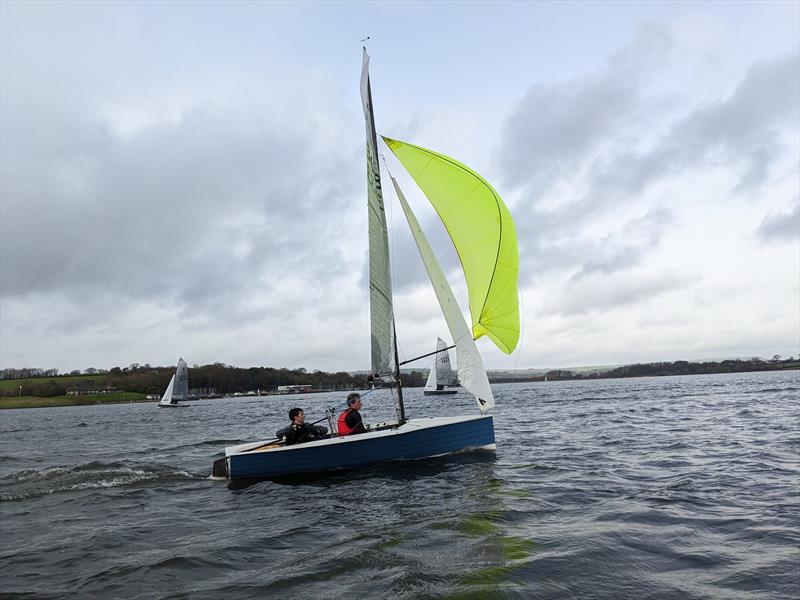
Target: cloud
[(191, 211), (747, 128), (555, 130), (779, 226), (599, 293), (571, 248), (628, 247), (581, 156)]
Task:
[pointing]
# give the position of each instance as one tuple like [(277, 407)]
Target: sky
[(188, 178)]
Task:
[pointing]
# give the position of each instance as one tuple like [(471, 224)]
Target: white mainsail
[(471, 371), (380, 282)]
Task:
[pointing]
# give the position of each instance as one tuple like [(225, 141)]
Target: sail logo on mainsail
[(374, 171)]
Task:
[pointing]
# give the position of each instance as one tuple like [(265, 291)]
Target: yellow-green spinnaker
[(483, 233)]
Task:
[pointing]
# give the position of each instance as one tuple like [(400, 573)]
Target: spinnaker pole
[(416, 358)]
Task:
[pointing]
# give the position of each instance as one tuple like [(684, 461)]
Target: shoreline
[(56, 401), (13, 402)]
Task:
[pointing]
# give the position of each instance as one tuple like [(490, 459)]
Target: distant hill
[(678, 367), (528, 373)]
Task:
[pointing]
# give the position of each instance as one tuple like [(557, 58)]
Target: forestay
[(483, 234), (471, 372), (380, 283)]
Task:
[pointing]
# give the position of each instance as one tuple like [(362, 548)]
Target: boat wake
[(36, 483)]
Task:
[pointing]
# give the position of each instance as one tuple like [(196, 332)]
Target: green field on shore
[(14, 384), (34, 402)]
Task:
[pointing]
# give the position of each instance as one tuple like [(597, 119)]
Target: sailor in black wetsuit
[(299, 432), (350, 422)]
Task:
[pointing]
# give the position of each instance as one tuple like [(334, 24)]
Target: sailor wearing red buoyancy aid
[(350, 422)]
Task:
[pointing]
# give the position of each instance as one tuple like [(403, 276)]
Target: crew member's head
[(297, 416), (354, 401)]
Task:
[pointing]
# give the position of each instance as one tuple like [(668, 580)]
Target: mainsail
[(181, 391), (380, 282), (471, 371), (483, 234)]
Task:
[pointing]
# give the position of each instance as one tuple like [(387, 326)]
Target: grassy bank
[(14, 384), (34, 402)]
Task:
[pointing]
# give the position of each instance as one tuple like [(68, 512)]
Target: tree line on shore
[(660, 369), (217, 379), (222, 379)]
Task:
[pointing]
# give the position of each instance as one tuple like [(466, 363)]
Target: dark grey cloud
[(780, 226), (555, 128), (195, 211)]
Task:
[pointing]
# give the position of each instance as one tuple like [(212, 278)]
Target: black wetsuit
[(354, 422), (300, 434)]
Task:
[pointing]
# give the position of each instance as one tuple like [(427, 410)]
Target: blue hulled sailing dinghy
[(484, 236)]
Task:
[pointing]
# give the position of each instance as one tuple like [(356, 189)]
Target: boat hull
[(419, 438), (438, 392)]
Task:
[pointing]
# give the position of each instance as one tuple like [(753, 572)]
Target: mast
[(382, 325), (401, 409)]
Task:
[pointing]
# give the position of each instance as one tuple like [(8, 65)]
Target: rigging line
[(368, 392)]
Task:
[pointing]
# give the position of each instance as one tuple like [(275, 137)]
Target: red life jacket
[(342, 426)]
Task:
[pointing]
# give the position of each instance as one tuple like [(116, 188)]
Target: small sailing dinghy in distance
[(470, 210), (441, 374), (178, 388)]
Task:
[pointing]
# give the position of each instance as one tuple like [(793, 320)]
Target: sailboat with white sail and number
[(483, 233), (441, 375), (178, 387)]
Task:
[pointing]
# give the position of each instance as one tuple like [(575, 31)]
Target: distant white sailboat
[(441, 375), (178, 388)]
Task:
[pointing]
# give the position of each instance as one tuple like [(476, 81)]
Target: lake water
[(675, 487)]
